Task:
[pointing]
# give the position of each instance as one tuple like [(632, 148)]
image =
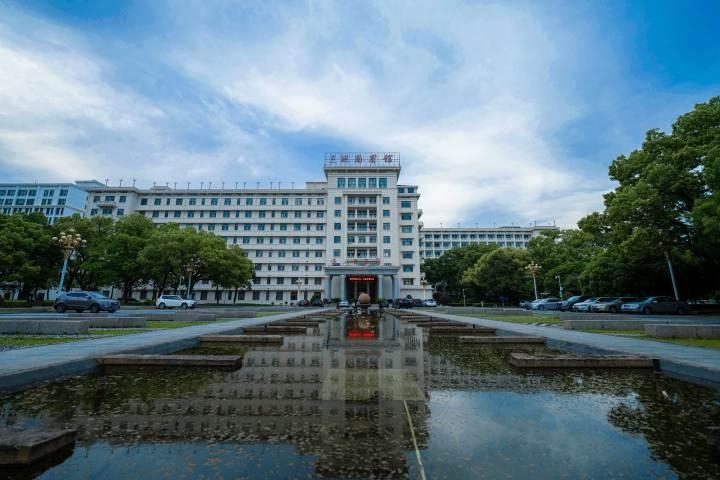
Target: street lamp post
[(533, 268), (191, 268), (464, 304), (424, 283), (299, 283), (68, 243), (557, 277)]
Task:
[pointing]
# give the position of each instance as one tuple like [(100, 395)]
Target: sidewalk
[(23, 367), (693, 364)]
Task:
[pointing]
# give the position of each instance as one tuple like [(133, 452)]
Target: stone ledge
[(44, 327), (130, 360), (683, 331), (254, 339), (509, 340), (23, 447), (525, 360)]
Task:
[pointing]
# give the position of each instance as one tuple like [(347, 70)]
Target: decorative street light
[(533, 268), (464, 304), (557, 277), (191, 268), (299, 283), (424, 284), (68, 242)]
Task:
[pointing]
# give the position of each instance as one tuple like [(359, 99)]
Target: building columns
[(328, 287), (380, 279), (343, 295)]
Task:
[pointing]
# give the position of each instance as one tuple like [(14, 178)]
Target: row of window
[(473, 236), (448, 245), (298, 201), (287, 253), (362, 182), (31, 193), (47, 211), (236, 213)]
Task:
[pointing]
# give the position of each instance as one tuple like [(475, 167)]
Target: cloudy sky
[(502, 112)]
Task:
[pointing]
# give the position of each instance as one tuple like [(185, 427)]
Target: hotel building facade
[(359, 230)]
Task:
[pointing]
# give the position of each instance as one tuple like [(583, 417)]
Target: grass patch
[(35, 340), (525, 319), (713, 343), (267, 314)]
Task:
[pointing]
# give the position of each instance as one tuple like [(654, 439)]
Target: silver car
[(613, 306), (550, 303), (81, 301)]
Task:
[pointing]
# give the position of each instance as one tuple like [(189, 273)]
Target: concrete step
[(683, 331), (203, 361), (525, 360), (459, 331), (507, 340), (278, 330), (26, 446), (240, 339)]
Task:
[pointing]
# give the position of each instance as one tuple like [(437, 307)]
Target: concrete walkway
[(24, 367), (694, 364)]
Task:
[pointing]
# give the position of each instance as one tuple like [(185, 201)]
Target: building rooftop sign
[(360, 159)]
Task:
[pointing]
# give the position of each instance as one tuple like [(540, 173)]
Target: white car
[(343, 304), (430, 303), (174, 301)]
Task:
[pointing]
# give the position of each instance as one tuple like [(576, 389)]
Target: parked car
[(81, 301), (384, 304), (403, 303), (430, 303), (568, 304), (316, 302), (416, 302), (343, 304), (550, 303), (303, 303), (584, 306), (613, 306), (657, 304), (525, 303), (174, 301)]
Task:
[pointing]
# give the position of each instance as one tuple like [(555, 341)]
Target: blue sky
[(503, 112)]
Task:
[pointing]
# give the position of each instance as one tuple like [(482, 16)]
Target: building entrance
[(357, 284)]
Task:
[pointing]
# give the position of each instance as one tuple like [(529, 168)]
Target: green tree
[(117, 261), (501, 272), (446, 272), (28, 258)]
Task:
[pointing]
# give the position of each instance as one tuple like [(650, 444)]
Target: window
[(401, 190), (386, 239), (386, 226), (372, 182), (176, 214), (411, 190), (336, 252), (64, 192), (406, 229), (407, 242), (362, 183), (93, 211), (191, 214), (351, 182), (406, 216), (386, 213), (298, 200), (386, 253), (338, 226), (338, 200), (341, 182), (263, 201), (249, 201), (248, 214), (408, 281), (96, 198), (337, 239), (213, 214), (405, 204), (386, 200), (143, 201), (407, 255), (338, 213), (382, 182)]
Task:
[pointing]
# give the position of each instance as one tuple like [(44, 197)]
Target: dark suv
[(81, 301)]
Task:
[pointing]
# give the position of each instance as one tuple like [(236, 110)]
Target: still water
[(373, 397)]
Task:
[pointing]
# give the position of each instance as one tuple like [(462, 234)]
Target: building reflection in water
[(341, 393)]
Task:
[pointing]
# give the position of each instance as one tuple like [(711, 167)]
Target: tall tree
[(501, 273), (446, 272), (28, 258)]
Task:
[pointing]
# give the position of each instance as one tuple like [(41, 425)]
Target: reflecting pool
[(373, 397)]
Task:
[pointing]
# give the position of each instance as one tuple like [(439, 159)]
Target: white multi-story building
[(357, 231), (436, 241), (54, 200)]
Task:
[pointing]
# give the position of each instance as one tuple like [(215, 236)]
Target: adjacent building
[(54, 200)]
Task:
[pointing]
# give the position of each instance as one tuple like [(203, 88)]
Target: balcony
[(419, 212)]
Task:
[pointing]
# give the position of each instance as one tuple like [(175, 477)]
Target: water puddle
[(373, 397)]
